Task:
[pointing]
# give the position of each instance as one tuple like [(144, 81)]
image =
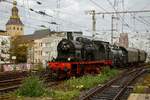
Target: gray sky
[(73, 16)]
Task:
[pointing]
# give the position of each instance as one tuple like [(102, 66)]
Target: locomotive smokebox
[(65, 45)]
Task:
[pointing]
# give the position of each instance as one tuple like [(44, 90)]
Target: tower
[(14, 26), (123, 40)]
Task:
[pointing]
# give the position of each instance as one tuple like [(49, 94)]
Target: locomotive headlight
[(69, 59), (65, 46)]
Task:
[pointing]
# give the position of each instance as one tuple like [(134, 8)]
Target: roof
[(76, 32), (2, 31), (14, 21), (38, 34), (43, 33)]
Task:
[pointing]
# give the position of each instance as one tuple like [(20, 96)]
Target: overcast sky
[(73, 16)]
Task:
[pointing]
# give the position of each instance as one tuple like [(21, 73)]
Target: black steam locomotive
[(85, 56)]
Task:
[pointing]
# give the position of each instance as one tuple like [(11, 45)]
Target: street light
[(14, 59)]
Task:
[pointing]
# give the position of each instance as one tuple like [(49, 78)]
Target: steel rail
[(120, 93), (108, 84)]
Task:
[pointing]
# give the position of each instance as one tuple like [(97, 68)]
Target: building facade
[(123, 40), (14, 26)]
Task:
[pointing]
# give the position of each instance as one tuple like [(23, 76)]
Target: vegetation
[(19, 49), (5, 50), (68, 90), (65, 95), (139, 89), (32, 87), (142, 87)]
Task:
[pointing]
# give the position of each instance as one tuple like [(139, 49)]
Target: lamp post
[(14, 60)]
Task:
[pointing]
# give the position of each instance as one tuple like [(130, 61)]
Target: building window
[(21, 29), (14, 28), (48, 44), (47, 53), (35, 60), (40, 44), (18, 28), (41, 53)]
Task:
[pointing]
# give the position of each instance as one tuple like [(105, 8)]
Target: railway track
[(12, 81), (12, 75), (116, 89), (10, 85)]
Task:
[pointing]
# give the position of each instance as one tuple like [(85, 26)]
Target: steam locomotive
[(83, 55)]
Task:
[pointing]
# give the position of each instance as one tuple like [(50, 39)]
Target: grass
[(139, 89), (143, 86), (72, 88), (64, 95), (89, 81), (32, 87)]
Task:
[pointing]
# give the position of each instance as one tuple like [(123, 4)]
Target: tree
[(18, 48), (4, 56)]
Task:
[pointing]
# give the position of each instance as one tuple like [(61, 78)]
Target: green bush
[(32, 87)]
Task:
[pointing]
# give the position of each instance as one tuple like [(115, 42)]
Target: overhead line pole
[(94, 23), (58, 9), (123, 16), (92, 12), (112, 28)]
